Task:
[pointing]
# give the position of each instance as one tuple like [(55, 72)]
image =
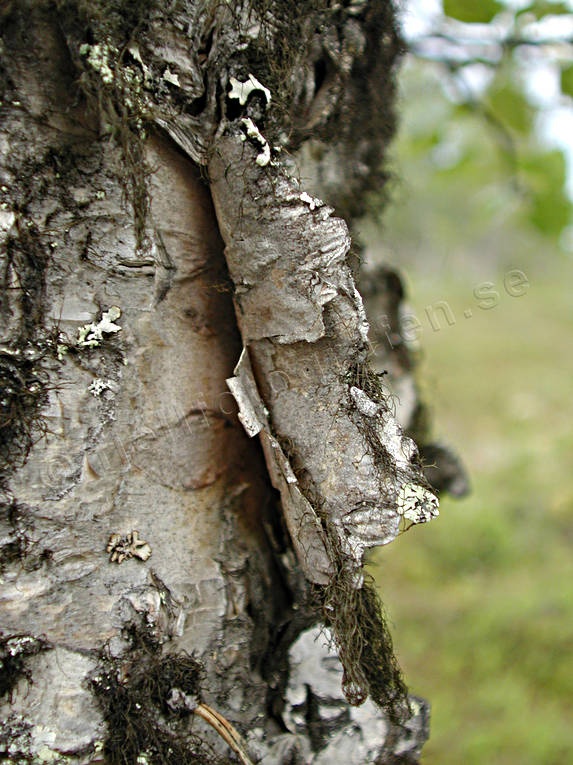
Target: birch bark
[(149, 581)]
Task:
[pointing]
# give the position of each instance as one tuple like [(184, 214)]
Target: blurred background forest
[(481, 599)]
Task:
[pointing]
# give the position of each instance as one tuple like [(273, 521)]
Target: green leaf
[(550, 212), (545, 8), (472, 11), (567, 80), (510, 106), (550, 209)]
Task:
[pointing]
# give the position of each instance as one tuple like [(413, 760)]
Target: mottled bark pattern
[(138, 523)]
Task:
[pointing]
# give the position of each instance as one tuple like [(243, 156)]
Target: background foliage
[(481, 599)]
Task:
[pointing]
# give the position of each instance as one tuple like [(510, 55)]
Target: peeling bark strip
[(348, 478), (347, 475)]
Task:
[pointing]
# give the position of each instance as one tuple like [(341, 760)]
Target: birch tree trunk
[(166, 580)]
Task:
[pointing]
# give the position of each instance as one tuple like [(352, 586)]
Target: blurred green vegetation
[(506, 69), (481, 599)]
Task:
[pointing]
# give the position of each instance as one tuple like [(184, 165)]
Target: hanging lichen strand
[(239, 87)]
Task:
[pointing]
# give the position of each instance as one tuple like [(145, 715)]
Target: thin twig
[(225, 730), (492, 49)]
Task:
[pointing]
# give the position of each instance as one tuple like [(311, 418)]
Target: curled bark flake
[(130, 546), (301, 519)]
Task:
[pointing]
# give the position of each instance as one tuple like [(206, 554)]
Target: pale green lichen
[(41, 747), (415, 706), (61, 350), (416, 503), (128, 82), (48, 755), (91, 335), (98, 57)]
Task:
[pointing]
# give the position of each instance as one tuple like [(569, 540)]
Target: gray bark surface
[(156, 596)]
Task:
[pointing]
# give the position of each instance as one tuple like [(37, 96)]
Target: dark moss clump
[(13, 652), (117, 20), (136, 695), (279, 52), (364, 643), (16, 546), (25, 265), (367, 116), (23, 393), (364, 377), (24, 380), (15, 541), (116, 100)]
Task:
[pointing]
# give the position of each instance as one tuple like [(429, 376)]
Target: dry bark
[(146, 563)]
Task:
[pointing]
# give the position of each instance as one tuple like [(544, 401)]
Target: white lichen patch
[(98, 386), (401, 448), (15, 646), (253, 132), (128, 546), (363, 325), (417, 504), (242, 90), (91, 335), (312, 202)]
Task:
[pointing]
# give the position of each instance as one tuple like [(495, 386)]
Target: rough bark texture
[(384, 297), (150, 575)]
